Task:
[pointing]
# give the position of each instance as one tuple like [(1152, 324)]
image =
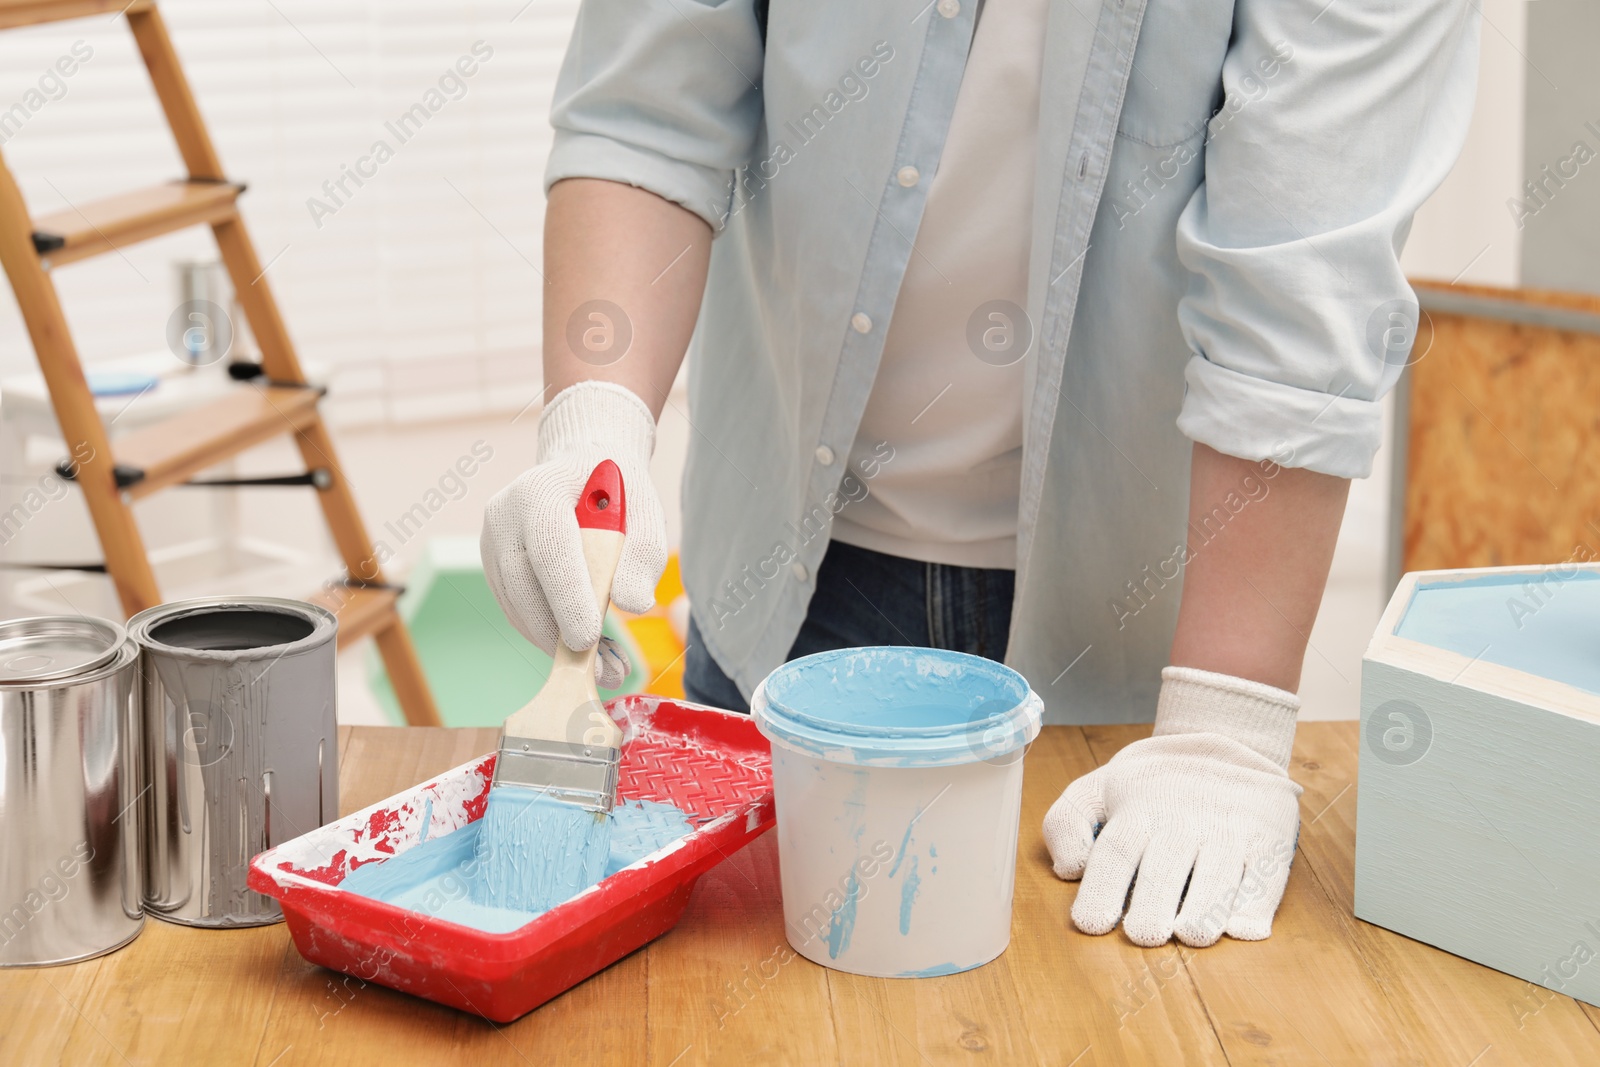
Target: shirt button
[(800, 572), (825, 455), (860, 323), (949, 8), (908, 176)]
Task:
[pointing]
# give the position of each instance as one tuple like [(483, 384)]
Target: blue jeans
[(870, 598)]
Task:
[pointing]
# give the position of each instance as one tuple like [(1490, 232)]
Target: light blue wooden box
[(1478, 818)]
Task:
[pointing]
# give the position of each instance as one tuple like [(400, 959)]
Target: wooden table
[(1325, 989)]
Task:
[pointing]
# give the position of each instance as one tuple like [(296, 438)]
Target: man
[(1018, 312)]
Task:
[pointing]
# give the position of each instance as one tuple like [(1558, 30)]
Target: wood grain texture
[(1247, 988), (82, 431), (1503, 464), (14, 13), (183, 445), (723, 988), (178, 104), (1467, 1010), (1124, 1004), (97, 227)]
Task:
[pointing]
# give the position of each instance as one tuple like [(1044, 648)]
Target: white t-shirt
[(953, 419)]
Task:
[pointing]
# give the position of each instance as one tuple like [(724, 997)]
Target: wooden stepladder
[(278, 402)]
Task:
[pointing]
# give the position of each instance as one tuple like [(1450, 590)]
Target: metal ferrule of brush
[(582, 775)]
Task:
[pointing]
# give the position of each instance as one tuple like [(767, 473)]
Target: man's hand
[(610, 243), (532, 552), (1206, 801)]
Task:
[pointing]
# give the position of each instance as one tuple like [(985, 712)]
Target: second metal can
[(240, 747)]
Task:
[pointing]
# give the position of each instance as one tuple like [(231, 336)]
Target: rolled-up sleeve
[(1339, 120), (660, 94)]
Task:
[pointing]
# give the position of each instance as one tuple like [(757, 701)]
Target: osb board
[(1504, 455), (721, 988)]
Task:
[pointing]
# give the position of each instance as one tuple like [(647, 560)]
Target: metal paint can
[(69, 789), (240, 744)]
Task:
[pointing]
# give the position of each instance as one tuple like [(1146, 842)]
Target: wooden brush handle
[(601, 550), (602, 524)]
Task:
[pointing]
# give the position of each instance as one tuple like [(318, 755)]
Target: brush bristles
[(546, 832), (535, 851)]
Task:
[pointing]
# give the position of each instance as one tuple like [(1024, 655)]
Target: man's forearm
[(645, 258), (1251, 592)]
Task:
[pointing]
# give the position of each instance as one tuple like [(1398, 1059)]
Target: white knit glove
[(532, 552), (1208, 793)]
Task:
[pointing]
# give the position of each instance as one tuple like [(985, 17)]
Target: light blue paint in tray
[(433, 876), (1546, 625)]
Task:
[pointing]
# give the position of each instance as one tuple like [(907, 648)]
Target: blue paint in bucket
[(893, 706), (898, 779)]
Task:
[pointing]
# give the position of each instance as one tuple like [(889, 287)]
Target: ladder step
[(15, 13), (100, 226), (362, 609), (178, 448)]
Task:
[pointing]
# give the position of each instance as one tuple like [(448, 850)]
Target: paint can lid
[(898, 706), (50, 647)]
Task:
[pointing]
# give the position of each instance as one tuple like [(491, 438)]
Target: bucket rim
[(991, 737)]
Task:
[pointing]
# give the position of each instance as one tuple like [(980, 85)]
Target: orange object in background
[(661, 633)]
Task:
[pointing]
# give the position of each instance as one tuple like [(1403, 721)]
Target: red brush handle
[(602, 505)]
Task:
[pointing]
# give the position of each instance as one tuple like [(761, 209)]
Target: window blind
[(407, 273)]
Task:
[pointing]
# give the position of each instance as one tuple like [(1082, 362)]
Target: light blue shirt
[(1222, 191)]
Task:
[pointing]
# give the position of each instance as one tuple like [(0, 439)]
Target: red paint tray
[(713, 765)]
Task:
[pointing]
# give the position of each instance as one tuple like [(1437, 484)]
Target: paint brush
[(546, 831)]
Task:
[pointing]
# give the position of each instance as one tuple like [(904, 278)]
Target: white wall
[(1464, 233), (1561, 238)]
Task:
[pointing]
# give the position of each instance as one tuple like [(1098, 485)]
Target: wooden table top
[(1324, 989)]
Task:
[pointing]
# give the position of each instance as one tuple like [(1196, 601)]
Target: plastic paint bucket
[(897, 774)]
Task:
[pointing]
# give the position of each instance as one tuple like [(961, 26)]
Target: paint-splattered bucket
[(897, 774), (241, 747)]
